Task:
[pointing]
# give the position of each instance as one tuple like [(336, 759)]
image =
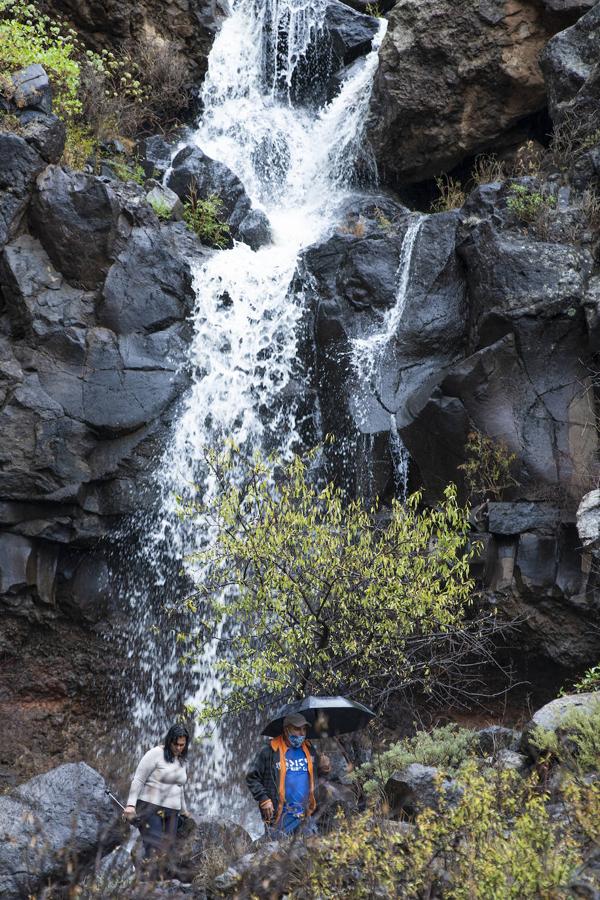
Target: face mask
[(296, 740)]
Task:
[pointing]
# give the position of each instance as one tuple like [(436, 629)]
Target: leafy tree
[(326, 598)]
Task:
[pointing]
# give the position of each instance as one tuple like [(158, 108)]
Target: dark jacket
[(263, 778)]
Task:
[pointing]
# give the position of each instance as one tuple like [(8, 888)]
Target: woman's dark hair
[(174, 732)]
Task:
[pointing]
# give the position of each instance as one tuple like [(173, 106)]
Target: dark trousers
[(158, 827)]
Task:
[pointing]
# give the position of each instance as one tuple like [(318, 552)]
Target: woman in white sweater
[(157, 798)]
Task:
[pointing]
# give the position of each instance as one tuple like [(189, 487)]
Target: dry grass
[(451, 196), (488, 169)]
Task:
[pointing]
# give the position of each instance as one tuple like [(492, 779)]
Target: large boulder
[(388, 302), (76, 218), (53, 820), (193, 172), (419, 787), (588, 519), (554, 717), (570, 64), (19, 166), (453, 81)]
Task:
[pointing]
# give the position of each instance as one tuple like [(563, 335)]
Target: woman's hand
[(185, 814), (129, 813)]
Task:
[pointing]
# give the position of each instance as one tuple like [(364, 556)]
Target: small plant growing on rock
[(452, 195), (374, 9), (589, 682), (576, 743), (488, 467), (202, 217), (528, 204), (382, 220), (161, 208), (129, 170)]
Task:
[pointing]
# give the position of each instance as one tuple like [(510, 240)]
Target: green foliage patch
[(447, 747), (528, 204), (325, 599), (203, 217), (487, 467), (576, 743)]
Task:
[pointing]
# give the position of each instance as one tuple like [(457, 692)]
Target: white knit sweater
[(158, 781)]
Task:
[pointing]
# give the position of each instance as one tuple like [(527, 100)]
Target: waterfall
[(368, 356), (296, 164)]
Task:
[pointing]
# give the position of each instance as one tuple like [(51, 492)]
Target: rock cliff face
[(497, 331), (94, 297), (455, 80)]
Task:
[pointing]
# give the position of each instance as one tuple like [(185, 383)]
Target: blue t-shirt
[(297, 781)]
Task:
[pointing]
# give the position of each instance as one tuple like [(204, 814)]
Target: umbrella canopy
[(327, 716)]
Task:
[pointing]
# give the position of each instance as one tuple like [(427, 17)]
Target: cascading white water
[(368, 353), (296, 164)]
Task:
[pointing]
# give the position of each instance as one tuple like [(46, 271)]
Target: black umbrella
[(327, 716)]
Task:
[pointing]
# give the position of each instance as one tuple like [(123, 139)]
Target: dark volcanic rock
[(454, 80), (570, 64), (209, 833), (48, 821), (351, 32), (32, 89), (76, 218), (19, 165), (193, 170), (354, 289), (45, 133), (189, 27)]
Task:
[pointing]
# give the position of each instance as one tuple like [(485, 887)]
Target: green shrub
[(447, 747), (589, 682), (527, 204), (496, 842), (203, 217), (327, 600), (576, 743), (128, 170), (26, 37), (161, 208), (488, 467)]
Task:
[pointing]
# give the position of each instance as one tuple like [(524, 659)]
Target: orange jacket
[(279, 745)]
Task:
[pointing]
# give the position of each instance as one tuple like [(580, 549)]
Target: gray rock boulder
[(452, 82), (419, 787), (569, 63), (510, 760), (47, 822), (193, 170), (512, 518), (165, 201), (31, 89), (115, 874), (45, 133), (494, 738), (76, 218), (351, 33), (588, 520), (552, 717), (19, 166)]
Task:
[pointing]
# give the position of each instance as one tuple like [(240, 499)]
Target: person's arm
[(255, 777), (184, 810), (146, 766)]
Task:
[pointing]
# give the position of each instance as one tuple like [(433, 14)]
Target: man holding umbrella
[(283, 779), (283, 775)]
